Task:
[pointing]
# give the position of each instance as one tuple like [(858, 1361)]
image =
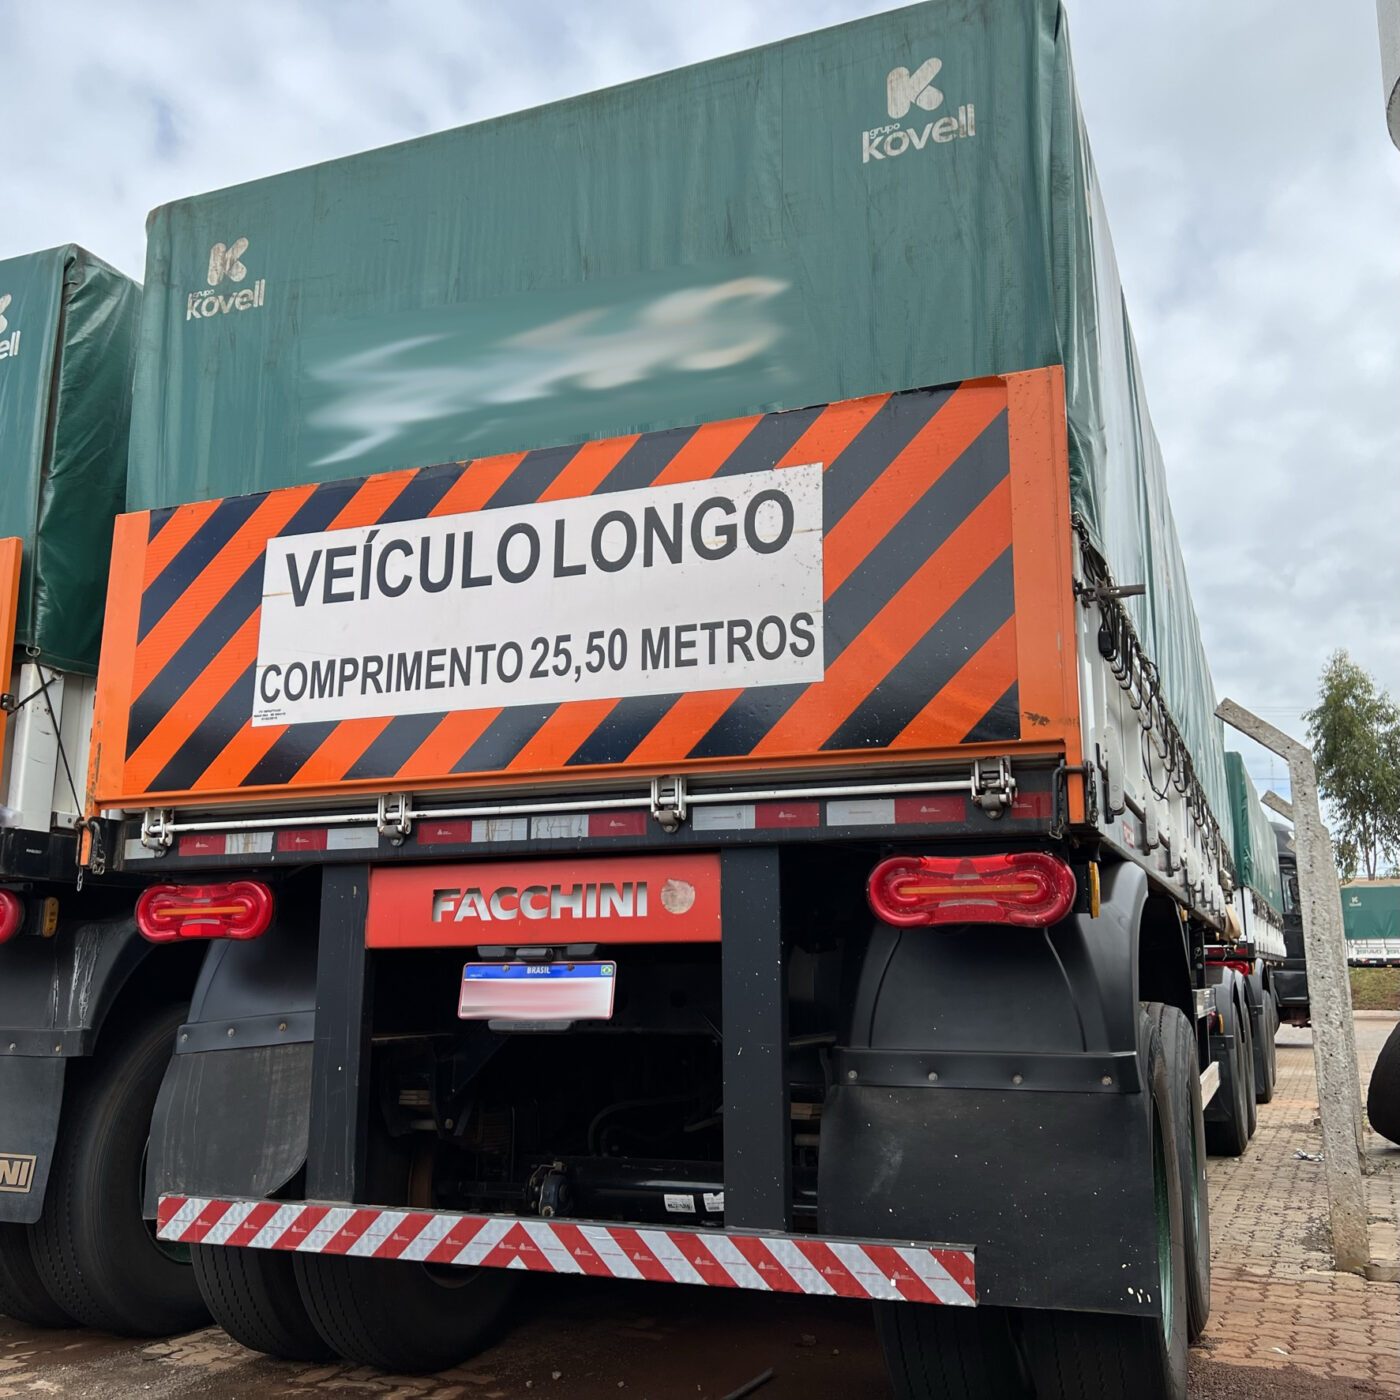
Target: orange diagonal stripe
[(477, 484), (706, 450), (555, 740), (240, 756), (933, 449), (375, 495), (939, 582), (683, 726), (587, 469), (338, 750), (983, 679), (222, 572), (833, 432), (454, 735), (178, 531), (182, 719)]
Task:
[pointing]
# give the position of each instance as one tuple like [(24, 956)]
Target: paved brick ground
[(1275, 1301)]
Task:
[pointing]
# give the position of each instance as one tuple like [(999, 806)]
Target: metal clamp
[(993, 785), (395, 818), (668, 802), (157, 829)]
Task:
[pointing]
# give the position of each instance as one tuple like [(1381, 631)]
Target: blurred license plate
[(517, 991)]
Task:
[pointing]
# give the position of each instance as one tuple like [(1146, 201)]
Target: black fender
[(989, 1094), (233, 1112), (56, 995)]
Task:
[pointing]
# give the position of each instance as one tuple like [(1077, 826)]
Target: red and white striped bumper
[(845, 1268)]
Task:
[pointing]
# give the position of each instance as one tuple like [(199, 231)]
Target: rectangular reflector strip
[(810, 1264)]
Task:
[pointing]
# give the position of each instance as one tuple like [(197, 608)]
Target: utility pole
[(1329, 995)]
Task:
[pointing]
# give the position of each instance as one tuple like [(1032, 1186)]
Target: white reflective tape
[(231, 1219), (380, 1228), (1210, 1082), (272, 1232), (183, 1218), (803, 1271), (321, 1235), (550, 1245), (483, 1242), (352, 838), (940, 1282), (669, 1256), (430, 1236), (610, 1252), (726, 1254), (877, 811), (863, 1269), (247, 843), (738, 816), (566, 826), (133, 849)]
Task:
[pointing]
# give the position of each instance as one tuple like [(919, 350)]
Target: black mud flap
[(31, 1095)]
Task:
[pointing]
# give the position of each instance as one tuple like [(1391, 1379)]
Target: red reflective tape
[(403, 1234), (301, 1226), (455, 1240), (302, 840), (698, 1256), (583, 1254), (647, 1264), (841, 1280), (439, 833), (1032, 804), (202, 843), (167, 1208), (205, 1221), (253, 1222), (757, 1256), (349, 1233), (890, 1263), (770, 816), (944, 807), (958, 1263), (617, 823), (516, 1245)]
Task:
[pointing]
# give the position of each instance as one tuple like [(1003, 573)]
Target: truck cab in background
[(1291, 976)]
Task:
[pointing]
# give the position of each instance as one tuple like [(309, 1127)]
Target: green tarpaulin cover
[(903, 201), (1371, 910), (67, 334), (1252, 836)]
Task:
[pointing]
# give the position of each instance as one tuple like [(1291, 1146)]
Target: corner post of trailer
[(757, 1134), (1334, 1035), (340, 1070)]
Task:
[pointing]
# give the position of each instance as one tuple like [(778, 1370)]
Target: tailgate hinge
[(156, 833), (993, 785), (395, 819), (668, 802)]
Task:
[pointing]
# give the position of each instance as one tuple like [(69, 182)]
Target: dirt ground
[(1282, 1327)]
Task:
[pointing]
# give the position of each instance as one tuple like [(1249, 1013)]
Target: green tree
[(1355, 734)]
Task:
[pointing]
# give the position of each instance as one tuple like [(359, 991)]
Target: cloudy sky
[(1253, 193)]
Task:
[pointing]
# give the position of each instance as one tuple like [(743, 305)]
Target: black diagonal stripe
[(643, 462), (931, 662), (394, 745), (918, 535), (879, 576), (884, 437), (192, 657), (284, 759), (421, 494), (212, 736), (1002, 721), (192, 558), (505, 736), (532, 478), (768, 442), (627, 724), (160, 518)]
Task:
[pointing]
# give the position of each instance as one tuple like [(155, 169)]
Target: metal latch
[(395, 820), (993, 785), (1099, 593), (156, 833), (668, 802)]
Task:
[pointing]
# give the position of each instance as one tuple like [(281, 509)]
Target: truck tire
[(1179, 1046), (935, 1353), (22, 1292), (1251, 1090), (1262, 1036), (1383, 1093), (95, 1254), (253, 1295), (1228, 1137), (1108, 1356)]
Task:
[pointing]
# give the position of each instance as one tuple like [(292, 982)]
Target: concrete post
[(1329, 995), (1281, 805)]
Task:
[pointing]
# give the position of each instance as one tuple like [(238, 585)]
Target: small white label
[(713, 1202), (678, 1204)]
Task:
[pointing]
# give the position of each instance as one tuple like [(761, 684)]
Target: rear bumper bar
[(763, 1261)]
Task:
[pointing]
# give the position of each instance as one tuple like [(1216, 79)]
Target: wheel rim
[(1161, 1196)]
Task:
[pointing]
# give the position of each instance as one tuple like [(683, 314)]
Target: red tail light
[(1027, 888), (11, 915), (241, 909)]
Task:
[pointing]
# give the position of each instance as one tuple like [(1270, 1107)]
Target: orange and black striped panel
[(921, 650)]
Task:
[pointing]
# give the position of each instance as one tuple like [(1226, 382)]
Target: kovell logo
[(225, 265), (909, 92), (9, 345)]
